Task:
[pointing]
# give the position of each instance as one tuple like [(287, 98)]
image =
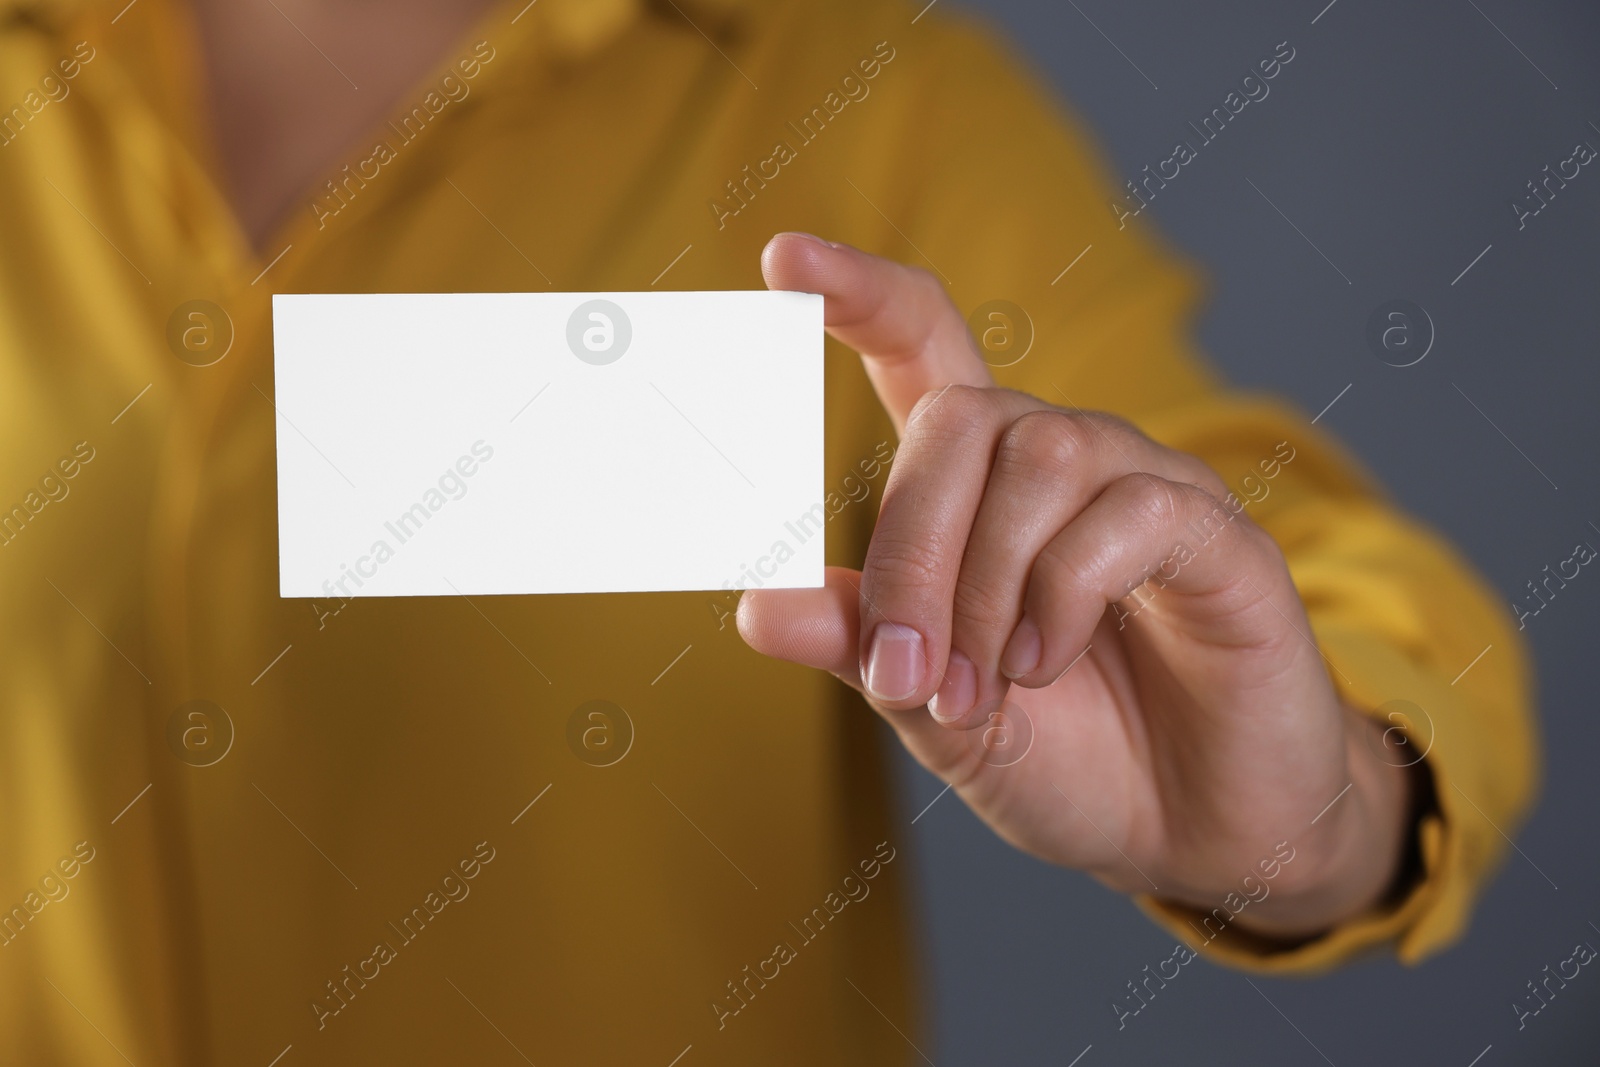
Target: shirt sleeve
[(1000, 189)]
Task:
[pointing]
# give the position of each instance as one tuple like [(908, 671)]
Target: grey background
[(1395, 141)]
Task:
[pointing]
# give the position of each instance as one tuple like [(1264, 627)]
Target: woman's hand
[(1055, 581)]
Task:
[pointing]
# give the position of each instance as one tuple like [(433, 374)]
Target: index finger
[(911, 338)]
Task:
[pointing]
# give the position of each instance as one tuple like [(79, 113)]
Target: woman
[(243, 827)]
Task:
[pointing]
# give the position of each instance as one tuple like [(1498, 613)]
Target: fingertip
[(958, 692), (767, 618), (896, 668), (795, 260), (1022, 653), (814, 627), (1050, 670), (744, 617)]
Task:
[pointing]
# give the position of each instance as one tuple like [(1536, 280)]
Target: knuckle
[(980, 604), (1044, 441), (1154, 501), (1210, 516), (966, 403), (1114, 426), (903, 564), (1071, 578), (1198, 472), (959, 411), (924, 402), (1259, 536), (1209, 509)]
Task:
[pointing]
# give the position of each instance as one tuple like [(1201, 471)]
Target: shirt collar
[(583, 19)]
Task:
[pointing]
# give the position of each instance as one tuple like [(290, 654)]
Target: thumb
[(911, 338), (812, 627)]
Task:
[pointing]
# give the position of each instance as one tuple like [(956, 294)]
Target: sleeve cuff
[(1455, 841)]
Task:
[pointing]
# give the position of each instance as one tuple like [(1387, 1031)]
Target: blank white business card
[(482, 443)]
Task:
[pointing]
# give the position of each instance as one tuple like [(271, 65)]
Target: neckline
[(527, 36)]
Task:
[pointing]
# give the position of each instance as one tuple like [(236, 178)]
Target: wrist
[(1355, 851)]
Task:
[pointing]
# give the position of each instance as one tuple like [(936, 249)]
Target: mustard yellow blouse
[(234, 827)]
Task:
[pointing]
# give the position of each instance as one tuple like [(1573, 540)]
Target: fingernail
[(958, 691), (895, 662), (1022, 651)]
